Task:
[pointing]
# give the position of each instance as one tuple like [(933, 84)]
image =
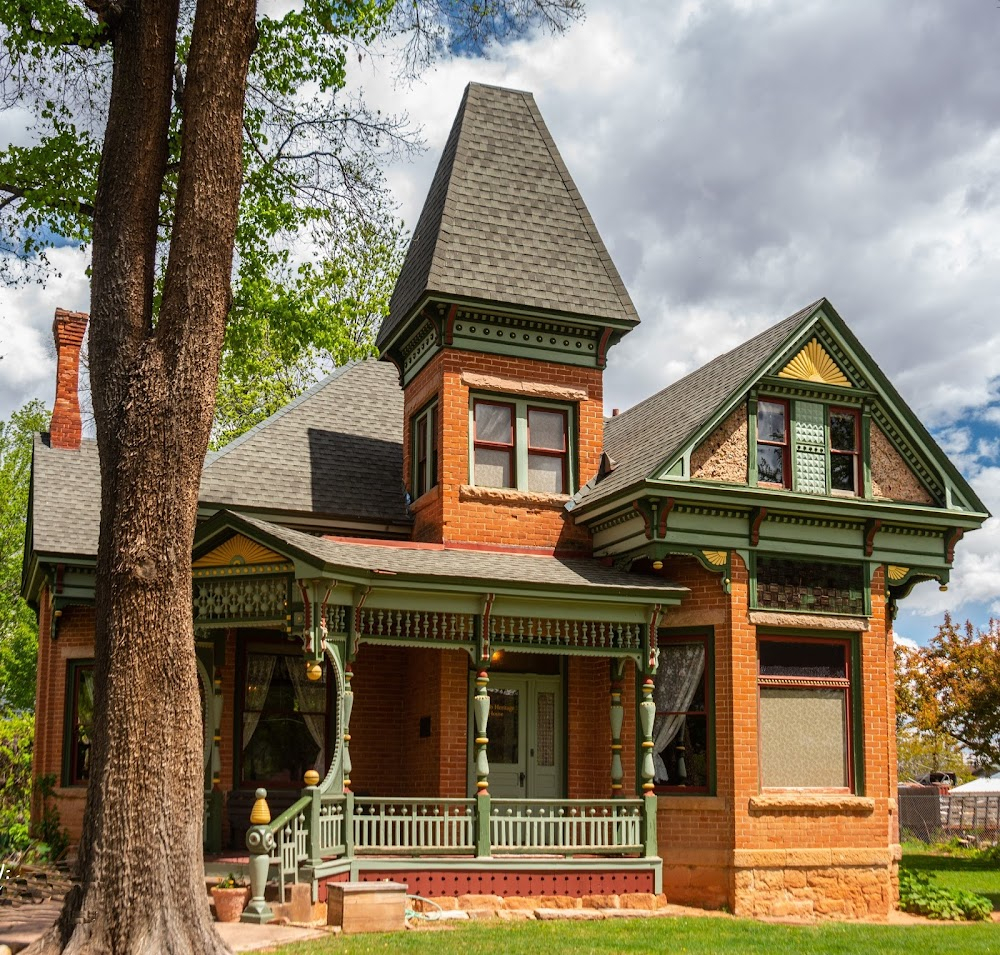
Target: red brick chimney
[(68, 329)]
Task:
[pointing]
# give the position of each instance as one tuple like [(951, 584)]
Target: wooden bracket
[(602, 348), (652, 643), (644, 511), (952, 537), (449, 325), (664, 514), (484, 637), (871, 529), (757, 515)]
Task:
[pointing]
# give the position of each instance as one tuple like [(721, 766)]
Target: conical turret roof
[(503, 222)]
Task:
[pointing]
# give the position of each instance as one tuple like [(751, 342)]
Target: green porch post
[(348, 794), (260, 842), (481, 709), (617, 718), (313, 831), (647, 715)]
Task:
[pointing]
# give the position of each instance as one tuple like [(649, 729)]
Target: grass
[(707, 936), (691, 936), (957, 870)]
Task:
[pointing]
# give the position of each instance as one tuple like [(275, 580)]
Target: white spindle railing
[(414, 827), (566, 826), (331, 826)]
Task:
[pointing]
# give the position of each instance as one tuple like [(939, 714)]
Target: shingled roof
[(335, 451), (65, 499), (457, 564), (504, 221), (641, 439)]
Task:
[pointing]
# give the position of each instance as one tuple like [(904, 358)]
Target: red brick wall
[(441, 515), (75, 641)]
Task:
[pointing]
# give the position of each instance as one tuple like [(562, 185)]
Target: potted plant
[(230, 895)]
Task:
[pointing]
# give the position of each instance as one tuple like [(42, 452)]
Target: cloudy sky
[(742, 159)]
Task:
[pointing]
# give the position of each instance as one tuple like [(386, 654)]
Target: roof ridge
[(743, 346), (581, 207), (285, 409)]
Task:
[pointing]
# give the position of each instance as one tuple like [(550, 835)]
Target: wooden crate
[(366, 906)]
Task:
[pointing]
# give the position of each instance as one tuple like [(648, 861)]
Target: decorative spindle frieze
[(544, 632), (225, 601)]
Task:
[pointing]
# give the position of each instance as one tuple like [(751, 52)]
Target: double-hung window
[(845, 456), (805, 707), (425, 449), (520, 445), (773, 465)]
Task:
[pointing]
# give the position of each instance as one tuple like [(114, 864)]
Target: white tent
[(987, 786)]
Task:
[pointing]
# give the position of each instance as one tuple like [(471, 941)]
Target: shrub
[(920, 895), (48, 840)]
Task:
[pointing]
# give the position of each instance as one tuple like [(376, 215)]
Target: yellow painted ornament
[(311, 778), (314, 671)]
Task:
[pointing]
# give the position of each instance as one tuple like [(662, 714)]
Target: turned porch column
[(617, 718), (481, 711)]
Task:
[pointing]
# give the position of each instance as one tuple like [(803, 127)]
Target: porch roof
[(378, 560)]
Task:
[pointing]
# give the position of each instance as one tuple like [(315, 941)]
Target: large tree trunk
[(141, 880)]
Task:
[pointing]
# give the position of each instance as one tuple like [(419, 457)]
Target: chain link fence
[(931, 814)]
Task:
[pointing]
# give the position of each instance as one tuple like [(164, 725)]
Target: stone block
[(298, 902), (639, 900), (574, 915), (366, 906), (469, 902), (600, 902)]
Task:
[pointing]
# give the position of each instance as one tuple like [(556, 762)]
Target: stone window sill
[(803, 618), (822, 803), (508, 495)]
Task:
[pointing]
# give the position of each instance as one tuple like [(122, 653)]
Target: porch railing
[(321, 827), (566, 826)]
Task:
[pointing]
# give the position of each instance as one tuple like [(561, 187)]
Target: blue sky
[(741, 159)]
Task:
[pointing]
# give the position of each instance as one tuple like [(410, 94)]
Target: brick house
[(473, 635)]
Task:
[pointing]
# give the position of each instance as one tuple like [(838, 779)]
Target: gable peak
[(813, 363)]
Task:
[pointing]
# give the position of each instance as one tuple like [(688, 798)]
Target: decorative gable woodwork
[(813, 363), (238, 551)]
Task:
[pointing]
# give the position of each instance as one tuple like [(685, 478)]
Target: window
[(804, 714), (425, 450), (782, 583), (844, 451), (80, 722), (772, 443), (284, 722), (681, 726), (520, 445)]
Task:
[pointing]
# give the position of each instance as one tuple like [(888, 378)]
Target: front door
[(526, 734)]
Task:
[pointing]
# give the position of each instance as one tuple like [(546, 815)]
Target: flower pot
[(229, 903)]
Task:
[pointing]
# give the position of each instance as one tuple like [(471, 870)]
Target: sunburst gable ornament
[(813, 363), (236, 551)]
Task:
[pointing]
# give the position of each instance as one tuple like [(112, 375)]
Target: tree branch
[(19, 192)]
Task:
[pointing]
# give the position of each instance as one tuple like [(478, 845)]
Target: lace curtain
[(311, 698), (260, 669), (678, 677)]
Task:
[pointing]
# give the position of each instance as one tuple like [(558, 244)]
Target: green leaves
[(18, 630), (918, 893)]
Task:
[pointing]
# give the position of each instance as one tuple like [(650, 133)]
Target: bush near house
[(49, 840)]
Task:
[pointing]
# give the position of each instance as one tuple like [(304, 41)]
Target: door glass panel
[(502, 748), (545, 746)]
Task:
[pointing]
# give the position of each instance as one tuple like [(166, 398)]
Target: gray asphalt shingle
[(503, 221)]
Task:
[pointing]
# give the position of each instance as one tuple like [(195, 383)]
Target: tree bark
[(141, 882)]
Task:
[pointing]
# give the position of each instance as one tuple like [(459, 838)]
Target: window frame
[(425, 464), (855, 454), (850, 684), (707, 639), (521, 449), (786, 455), (259, 644), (75, 670)]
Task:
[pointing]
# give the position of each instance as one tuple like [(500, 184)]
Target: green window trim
[(425, 464), (808, 454), (521, 447), (76, 739)]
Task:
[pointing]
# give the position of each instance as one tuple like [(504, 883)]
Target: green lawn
[(691, 936), (958, 871)]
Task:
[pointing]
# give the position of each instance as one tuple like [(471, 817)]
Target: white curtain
[(260, 669), (311, 698), (678, 677)]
